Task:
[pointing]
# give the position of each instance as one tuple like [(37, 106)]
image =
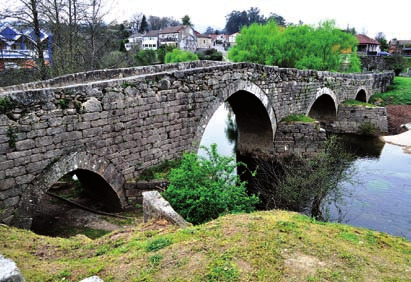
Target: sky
[(368, 17)]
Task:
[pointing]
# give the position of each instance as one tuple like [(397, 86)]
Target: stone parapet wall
[(299, 138), (360, 120), (107, 74)]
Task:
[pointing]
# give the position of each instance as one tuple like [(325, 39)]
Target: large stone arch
[(89, 168), (256, 118), (362, 95), (324, 106)]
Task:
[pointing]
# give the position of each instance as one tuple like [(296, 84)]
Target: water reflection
[(378, 198)]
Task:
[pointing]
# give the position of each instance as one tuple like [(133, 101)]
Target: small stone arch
[(362, 95), (89, 168), (263, 119), (324, 106)]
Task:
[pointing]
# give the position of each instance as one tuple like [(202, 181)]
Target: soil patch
[(398, 115), (58, 218)]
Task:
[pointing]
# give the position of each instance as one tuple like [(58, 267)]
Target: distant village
[(17, 47)]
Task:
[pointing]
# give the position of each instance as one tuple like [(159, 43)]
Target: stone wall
[(300, 138), (360, 120), (117, 127)]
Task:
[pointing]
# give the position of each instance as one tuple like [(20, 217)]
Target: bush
[(302, 185), (202, 189), (178, 55)]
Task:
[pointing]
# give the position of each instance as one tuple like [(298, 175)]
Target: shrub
[(178, 55), (302, 185), (202, 189), (297, 118)]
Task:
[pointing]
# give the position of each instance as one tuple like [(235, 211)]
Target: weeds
[(158, 244)]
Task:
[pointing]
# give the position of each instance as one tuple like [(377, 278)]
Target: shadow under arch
[(255, 117), (98, 176), (361, 95), (324, 106)]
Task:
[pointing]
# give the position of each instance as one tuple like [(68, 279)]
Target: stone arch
[(256, 118), (362, 95), (324, 106), (90, 169)]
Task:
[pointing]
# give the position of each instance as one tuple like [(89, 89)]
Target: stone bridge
[(108, 126)]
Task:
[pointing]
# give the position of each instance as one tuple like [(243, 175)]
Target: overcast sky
[(369, 17)]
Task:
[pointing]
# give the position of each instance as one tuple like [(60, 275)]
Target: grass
[(262, 246), (398, 93), (297, 118)]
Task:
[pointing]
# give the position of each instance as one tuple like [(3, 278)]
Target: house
[(367, 46), (134, 41), (150, 40), (203, 41), (402, 47), (181, 36), (18, 49), (232, 38), (219, 38)]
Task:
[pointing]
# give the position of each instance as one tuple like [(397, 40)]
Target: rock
[(9, 271), (92, 105), (155, 207), (92, 279)]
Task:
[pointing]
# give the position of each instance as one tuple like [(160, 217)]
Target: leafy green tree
[(178, 55), (202, 189), (186, 20), (145, 57), (302, 46), (162, 52), (143, 25), (380, 37)]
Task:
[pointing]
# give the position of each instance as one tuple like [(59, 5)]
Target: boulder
[(156, 207), (92, 105), (9, 271)]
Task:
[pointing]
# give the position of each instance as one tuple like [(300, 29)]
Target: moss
[(297, 118)]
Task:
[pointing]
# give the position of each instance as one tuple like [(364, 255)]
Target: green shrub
[(367, 128), (178, 55), (202, 189)]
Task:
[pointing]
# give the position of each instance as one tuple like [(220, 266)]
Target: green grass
[(262, 246), (297, 118), (398, 93)]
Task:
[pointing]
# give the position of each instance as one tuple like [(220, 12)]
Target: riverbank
[(398, 116), (262, 246)]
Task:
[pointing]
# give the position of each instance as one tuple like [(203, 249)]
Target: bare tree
[(27, 13)]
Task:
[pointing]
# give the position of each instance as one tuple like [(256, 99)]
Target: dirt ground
[(398, 115)]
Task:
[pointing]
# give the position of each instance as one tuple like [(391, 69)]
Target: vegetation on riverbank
[(398, 93), (262, 246)]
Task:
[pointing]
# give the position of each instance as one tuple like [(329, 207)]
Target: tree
[(27, 12), (380, 37), (202, 189), (162, 52), (187, 21), (279, 20), (145, 57), (209, 30), (143, 25), (178, 55), (305, 47)]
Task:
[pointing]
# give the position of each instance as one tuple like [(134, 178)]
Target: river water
[(379, 195)]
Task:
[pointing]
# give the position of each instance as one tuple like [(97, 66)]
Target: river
[(379, 195)]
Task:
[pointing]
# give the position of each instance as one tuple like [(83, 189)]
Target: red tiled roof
[(364, 39)]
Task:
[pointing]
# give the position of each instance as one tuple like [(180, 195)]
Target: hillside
[(263, 246)]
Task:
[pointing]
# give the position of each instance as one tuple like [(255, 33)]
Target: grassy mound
[(262, 246)]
